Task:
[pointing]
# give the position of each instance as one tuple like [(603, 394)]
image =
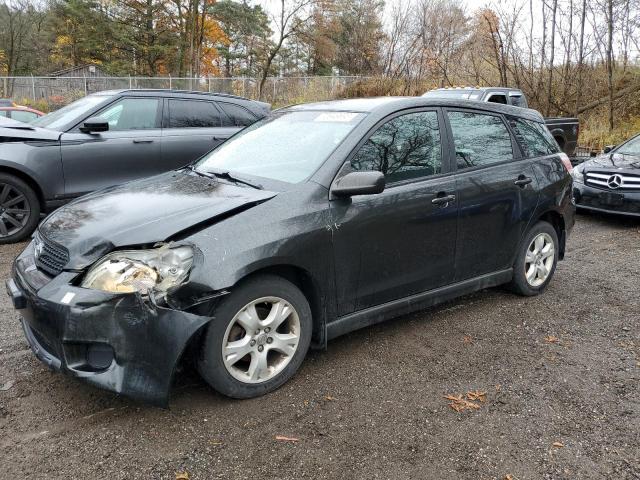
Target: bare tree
[(287, 21)]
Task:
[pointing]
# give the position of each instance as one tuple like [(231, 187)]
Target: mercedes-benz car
[(316, 221), (610, 183)]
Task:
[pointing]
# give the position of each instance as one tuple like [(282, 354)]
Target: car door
[(496, 189), (401, 241), (130, 149), (192, 128)]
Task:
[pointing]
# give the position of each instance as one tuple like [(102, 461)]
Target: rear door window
[(534, 138), (404, 148), (480, 139), (193, 114), (237, 116)]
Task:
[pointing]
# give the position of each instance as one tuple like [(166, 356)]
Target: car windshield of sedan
[(288, 146), (632, 147), (63, 116)]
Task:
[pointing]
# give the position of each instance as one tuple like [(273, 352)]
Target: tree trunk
[(580, 56), (551, 55), (610, 60)]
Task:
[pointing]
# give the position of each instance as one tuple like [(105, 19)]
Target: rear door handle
[(142, 140), (443, 200), (218, 139), (522, 181)]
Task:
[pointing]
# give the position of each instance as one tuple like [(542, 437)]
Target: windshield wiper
[(224, 174)]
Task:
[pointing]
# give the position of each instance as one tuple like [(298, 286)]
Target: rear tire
[(19, 209), (257, 339), (536, 261)]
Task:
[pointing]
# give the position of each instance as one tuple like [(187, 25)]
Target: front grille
[(50, 257), (613, 180)]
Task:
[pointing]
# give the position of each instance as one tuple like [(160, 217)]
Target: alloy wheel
[(261, 340), (539, 259), (14, 210)]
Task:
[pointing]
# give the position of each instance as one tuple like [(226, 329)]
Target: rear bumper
[(119, 342), (616, 202)]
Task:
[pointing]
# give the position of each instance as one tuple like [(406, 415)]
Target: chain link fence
[(57, 91)]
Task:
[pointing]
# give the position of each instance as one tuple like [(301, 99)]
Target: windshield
[(63, 116), (289, 146), (632, 147)]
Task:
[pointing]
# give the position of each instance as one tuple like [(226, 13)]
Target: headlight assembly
[(129, 271)]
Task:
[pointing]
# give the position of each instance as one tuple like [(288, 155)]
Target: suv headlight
[(129, 271), (578, 174)]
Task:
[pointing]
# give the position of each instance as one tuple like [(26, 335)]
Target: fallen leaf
[(509, 477), (467, 340), (551, 339), (459, 404), (286, 439), (329, 398), (477, 395), (182, 476), (558, 444), (216, 442)]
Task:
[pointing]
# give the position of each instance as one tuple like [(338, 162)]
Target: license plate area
[(612, 199)]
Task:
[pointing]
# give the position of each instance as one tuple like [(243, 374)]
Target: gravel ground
[(560, 374)]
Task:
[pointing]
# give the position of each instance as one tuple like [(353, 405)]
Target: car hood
[(16, 131), (614, 161), (144, 212)]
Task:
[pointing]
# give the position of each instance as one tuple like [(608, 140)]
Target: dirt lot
[(561, 375)]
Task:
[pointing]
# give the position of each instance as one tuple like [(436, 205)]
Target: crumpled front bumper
[(119, 342)]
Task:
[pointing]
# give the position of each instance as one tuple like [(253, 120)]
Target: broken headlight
[(129, 271)]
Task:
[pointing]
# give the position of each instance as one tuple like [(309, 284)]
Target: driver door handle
[(142, 140), (523, 181), (443, 200)]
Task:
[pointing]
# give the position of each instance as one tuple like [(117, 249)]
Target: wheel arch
[(28, 179), (557, 222), (309, 287)]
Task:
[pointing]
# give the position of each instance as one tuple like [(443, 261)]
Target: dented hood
[(143, 212), (17, 131)]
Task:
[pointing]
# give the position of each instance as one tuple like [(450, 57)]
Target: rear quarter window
[(534, 138), (237, 116)]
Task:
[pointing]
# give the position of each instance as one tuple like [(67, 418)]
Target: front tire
[(536, 261), (257, 339), (19, 209)]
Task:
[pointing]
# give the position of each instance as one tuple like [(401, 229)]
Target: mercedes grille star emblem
[(615, 181)]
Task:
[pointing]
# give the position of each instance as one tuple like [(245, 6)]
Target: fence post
[(33, 87), (274, 89), (130, 85), (170, 82), (5, 92), (209, 82), (85, 84)]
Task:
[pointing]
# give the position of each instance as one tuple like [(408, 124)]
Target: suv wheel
[(19, 209), (536, 262), (257, 339)]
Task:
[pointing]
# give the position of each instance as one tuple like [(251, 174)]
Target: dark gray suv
[(106, 139)]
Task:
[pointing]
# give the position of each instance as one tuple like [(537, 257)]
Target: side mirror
[(359, 183), (608, 148), (94, 125)]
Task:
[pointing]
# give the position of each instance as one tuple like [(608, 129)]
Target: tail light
[(566, 162)]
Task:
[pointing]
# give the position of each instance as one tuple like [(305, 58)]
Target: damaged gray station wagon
[(316, 221)]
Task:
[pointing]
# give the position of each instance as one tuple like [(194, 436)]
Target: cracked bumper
[(119, 342)]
